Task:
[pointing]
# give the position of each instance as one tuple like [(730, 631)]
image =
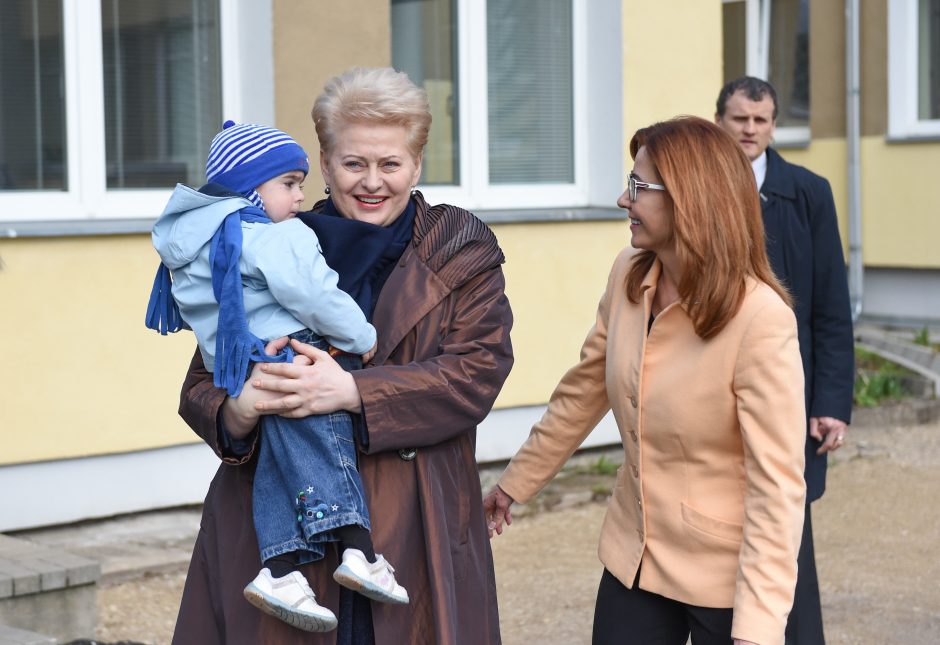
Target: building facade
[(106, 104)]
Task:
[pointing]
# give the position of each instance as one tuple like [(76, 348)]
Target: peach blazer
[(708, 504)]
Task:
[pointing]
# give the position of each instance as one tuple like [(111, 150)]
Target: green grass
[(601, 466), (878, 380), (922, 338)]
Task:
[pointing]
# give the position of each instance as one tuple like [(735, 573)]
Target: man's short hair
[(754, 89)]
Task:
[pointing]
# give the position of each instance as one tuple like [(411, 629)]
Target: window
[(769, 39), (107, 104), (914, 68), (32, 114), (162, 90), (510, 84)]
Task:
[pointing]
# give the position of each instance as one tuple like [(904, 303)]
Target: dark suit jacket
[(806, 254)]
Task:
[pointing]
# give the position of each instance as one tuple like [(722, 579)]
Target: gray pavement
[(127, 545)]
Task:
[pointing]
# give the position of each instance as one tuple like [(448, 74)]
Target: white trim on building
[(72, 490), (904, 49)]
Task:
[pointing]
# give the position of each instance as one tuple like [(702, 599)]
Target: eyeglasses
[(634, 184)]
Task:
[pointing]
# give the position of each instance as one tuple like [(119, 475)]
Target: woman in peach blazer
[(695, 350)]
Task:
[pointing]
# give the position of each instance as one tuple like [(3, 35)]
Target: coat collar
[(779, 180)]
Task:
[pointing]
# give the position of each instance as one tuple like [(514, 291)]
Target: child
[(245, 271)]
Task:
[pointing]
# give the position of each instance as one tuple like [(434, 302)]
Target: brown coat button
[(408, 454)]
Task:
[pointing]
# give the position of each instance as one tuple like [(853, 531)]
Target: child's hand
[(369, 354)]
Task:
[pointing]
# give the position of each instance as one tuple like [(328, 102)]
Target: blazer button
[(639, 502), (633, 401), (636, 471), (408, 454), (633, 435)]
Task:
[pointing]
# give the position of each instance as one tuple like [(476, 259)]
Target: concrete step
[(47, 590), (13, 636)]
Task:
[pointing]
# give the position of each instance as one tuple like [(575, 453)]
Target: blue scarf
[(235, 346), (362, 254)]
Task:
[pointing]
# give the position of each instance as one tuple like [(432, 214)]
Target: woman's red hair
[(718, 228)]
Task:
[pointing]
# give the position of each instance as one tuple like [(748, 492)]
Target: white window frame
[(757, 48), (474, 190), (87, 196), (903, 32)]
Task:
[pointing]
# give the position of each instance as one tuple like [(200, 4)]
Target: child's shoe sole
[(345, 576), (300, 620)]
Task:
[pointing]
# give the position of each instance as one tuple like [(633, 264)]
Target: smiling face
[(651, 213), (283, 195), (370, 172), (751, 123)]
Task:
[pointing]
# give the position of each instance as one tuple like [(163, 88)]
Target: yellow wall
[(900, 197), (555, 274), (672, 60), (82, 375), (314, 41), (85, 377)]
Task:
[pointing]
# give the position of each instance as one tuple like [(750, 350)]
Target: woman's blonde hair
[(718, 227), (372, 95)]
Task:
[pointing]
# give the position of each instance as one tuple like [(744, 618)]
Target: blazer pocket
[(711, 525)]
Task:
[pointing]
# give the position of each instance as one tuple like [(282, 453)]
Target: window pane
[(928, 86), (162, 90), (529, 67), (788, 64), (32, 96), (424, 45), (734, 36)]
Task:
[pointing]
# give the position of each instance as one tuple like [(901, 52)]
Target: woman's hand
[(240, 415), (496, 509), (320, 387)]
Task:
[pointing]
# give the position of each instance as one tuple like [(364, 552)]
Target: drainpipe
[(852, 136)]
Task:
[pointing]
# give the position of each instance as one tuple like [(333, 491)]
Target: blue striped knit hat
[(244, 156)]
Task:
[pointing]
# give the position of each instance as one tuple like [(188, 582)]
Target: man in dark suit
[(806, 254)]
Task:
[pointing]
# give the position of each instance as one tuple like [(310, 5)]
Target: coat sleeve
[(768, 386), (430, 401), (291, 263), (833, 341), (575, 407), (200, 404)]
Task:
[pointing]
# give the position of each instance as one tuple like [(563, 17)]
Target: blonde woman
[(443, 323)]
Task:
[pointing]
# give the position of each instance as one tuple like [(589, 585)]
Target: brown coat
[(444, 352), (710, 497)]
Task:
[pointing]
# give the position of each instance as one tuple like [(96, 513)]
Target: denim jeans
[(307, 482)]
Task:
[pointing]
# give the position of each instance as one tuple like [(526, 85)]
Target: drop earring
[(414, 189), (327, 190)]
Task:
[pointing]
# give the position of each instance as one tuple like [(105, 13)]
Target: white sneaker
[(373, 580), (291, 599)]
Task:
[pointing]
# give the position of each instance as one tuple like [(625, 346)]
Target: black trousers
[(635, 617), (805, 625)]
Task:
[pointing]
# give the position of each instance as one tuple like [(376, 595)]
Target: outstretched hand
[(319, 386), (496, 510)]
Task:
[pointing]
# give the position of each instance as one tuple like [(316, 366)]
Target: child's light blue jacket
[(288, 285)]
